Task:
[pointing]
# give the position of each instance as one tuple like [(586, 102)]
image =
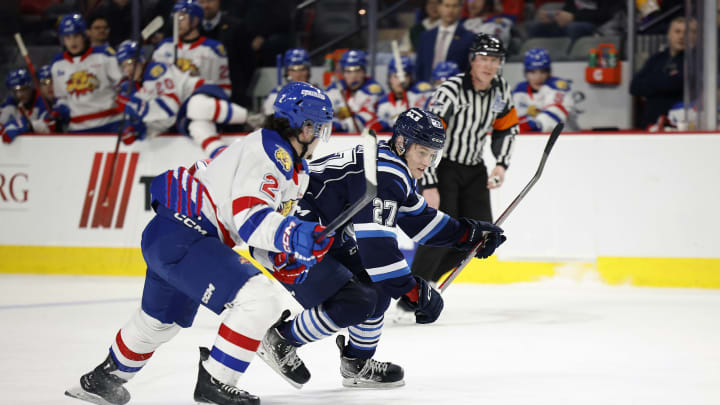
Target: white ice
[(553, 342)]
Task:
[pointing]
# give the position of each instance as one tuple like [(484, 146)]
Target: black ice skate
[(101, 387), (368, 373), (282, 357), (208, 390)]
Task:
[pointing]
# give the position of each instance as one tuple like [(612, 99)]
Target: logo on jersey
[(81, 83), (286, 208), (424, 86), (100, 202), (187, 65), (208, 294), (283, 157), (221, 50), (561, 84), (157, 71), (374, 88), (436, 123), (499, 104)]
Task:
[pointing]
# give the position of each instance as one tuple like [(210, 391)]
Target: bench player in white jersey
[(196, 54), (85, 79), (543, 100), (170, 97), (402, 96), (352, 287), (24, 110), (296, 68), (354, 97), (246, 194)]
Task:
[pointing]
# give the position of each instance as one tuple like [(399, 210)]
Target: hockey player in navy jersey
[(84, 79), (196, 54), (402, 95), (296, 68), (246, 194), (543, 100), (167, 97), (353, 286), (354, 97), (24, 110)]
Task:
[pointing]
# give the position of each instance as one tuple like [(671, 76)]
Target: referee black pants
[(463, 193)]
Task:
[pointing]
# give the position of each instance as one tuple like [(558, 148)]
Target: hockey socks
[(364, 338), (309, 326), (231, 355)]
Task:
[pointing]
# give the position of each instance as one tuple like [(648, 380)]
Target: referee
[(477, 107)]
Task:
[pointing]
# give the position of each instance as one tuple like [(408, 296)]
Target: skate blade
[(81, 394), (353, 383), (267, 358)]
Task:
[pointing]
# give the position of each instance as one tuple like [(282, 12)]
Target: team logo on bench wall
[(101, 203)]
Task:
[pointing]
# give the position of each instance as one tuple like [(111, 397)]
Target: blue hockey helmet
[(537, 59), (407, 65), (71, 24), (44, 73), (303, 104), (191, 7), (445, 69), (421, 127), (296, 57), (128, 50), (354, 58), (17, 78)]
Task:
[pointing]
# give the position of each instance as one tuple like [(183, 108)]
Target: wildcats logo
[(283, 158), (186, 65), (286, 208), (81, 83), (100, 202)]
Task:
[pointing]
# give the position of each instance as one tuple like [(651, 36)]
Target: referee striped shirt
[(471, 116)]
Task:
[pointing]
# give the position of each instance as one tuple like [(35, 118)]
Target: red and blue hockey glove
[(424, 300), (298, 237), (287, 270), (474, 233), (60, 113), (129, 135)]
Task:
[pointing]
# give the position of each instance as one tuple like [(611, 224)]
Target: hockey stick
[(368, 140), (548, 147), (176, 37), (31, 68), (149, 30), (400, 72)]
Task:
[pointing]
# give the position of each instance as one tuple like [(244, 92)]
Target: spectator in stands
[(484, 17), (270, 27), (576, 19), (660, 81), (448, 41), (98, 30), (220, 26), (429, 18)]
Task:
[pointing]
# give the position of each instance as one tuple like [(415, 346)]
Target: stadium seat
[(582, 46), (557, 47)]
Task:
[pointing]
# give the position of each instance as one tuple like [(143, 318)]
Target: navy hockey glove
[(298, 237), (287, 270), (474, 233), (60, 113), (425, 301)]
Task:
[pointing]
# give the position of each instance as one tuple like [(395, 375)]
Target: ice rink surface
[(552, 342)]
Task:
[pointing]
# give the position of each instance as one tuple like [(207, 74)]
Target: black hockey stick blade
[(368, 139), (548, 147)]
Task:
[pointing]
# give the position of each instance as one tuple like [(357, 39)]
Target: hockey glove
[(5, 137), (491, 242), (474, 233), (129, 135), (424, 300), (287, 270), (298, 237), (60, 113)]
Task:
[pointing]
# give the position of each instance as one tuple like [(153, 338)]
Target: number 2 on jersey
[(269, 186)]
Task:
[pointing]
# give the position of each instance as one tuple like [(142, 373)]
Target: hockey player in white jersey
[(402, 96), (354, 97), (543, 100), (24, 110), (170, 97), (247, 194), (46, 84), (196, 54), (296, 68), (85, 79)]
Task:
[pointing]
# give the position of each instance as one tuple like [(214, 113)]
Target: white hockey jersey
[(546, 107), (244, 194), (389, 107), (205, 58), (361, 103), (496, 25), (34, 119), (86, 84)]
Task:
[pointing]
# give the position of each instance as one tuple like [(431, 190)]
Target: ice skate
[(368, 373), (282, 357), (208, 390), (101, 387)]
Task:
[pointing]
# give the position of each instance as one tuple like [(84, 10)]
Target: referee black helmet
[(486, 44)]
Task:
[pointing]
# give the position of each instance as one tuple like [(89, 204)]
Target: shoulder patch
[(374, 89), (221, 50), (283, 158), (156, 70), (277, 150), (424, 86), (561, 84)]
